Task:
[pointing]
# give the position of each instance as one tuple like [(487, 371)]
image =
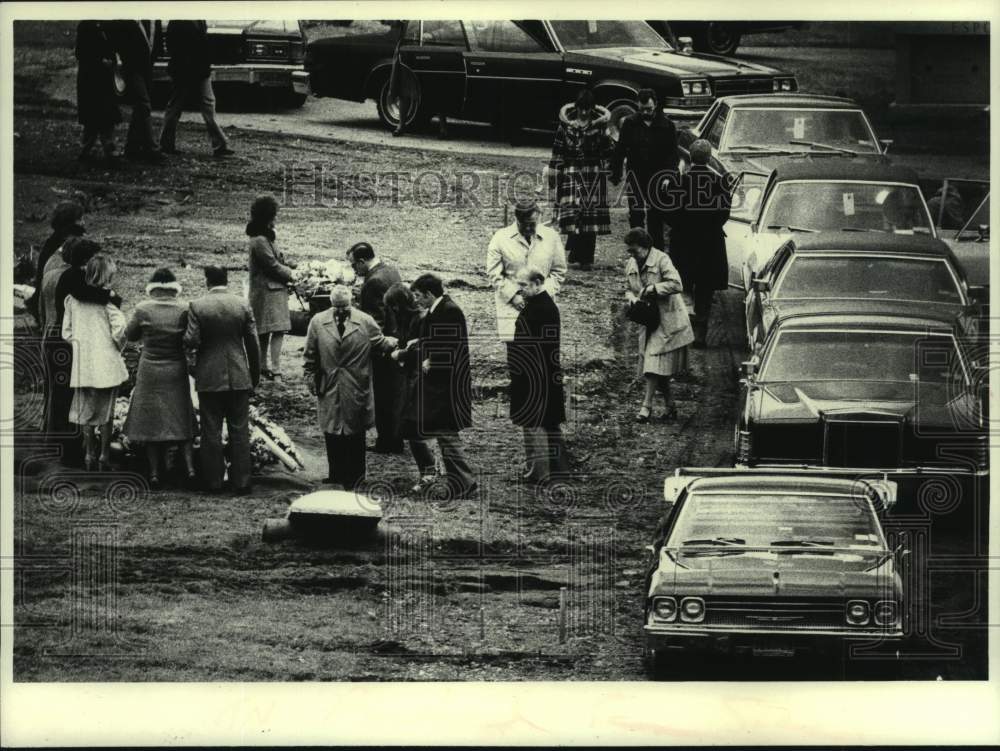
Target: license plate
[(773, 652), (272, 79)]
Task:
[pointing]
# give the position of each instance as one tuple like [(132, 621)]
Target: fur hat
[(164, 279)]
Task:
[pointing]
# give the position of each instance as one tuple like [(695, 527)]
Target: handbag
[(117, 77), (645, 313)]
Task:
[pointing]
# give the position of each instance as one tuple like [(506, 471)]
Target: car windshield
[(861, 355), (860, 206), (729, 521), (778, 127), (589, 35), (868, 276)]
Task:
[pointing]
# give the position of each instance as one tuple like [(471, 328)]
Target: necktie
[(340, 318)]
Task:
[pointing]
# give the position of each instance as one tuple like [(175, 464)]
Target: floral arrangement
[(318, 276), (269, 443)]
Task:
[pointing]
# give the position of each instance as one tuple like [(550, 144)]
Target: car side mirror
[(762, 285), (687, 45), (886, 143), (651, 549), (749, 367), (979, 293), (984, 233), (753, 226)]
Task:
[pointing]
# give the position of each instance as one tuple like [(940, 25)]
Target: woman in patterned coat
[(581, 155)]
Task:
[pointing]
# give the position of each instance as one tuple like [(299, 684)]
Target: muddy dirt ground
[(465, 591)]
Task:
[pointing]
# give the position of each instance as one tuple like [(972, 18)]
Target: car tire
[(717, 38), (619, 111), (294, 100), (662, 666), (388, 112)]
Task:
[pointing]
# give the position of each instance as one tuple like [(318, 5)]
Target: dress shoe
[(244, 491)]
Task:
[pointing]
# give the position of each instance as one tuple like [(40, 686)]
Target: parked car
[(719, 37), (960, 209), (771, 563), (758, 132), (256, 56), (872, 389), (811, 194), (521, 72), (832, 272)]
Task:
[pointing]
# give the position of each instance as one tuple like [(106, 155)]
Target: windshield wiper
[(860, 229), (817, 145), (754, 147), (790, 228), (716, 541), (802, 543)]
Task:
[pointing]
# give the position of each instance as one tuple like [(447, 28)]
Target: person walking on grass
[(224, 354), (160, 413), (137, 42), (651, 277), (190, 70), (96, 98), (270, 274)]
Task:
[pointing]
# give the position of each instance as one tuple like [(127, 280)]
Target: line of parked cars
[(864, 380)]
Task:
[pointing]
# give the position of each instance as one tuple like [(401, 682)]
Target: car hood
[(671, 62), (801, 572), (811, 400)]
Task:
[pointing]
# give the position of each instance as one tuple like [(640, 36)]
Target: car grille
[(742, 85), (226, 49), (862, 443), (790, 613)]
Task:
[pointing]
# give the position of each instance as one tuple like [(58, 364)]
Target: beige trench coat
[(341, 369), (675, 329)]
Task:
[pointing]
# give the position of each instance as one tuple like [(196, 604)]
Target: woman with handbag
[(270, 274), (654, 298), (96, 91), (97, 333)]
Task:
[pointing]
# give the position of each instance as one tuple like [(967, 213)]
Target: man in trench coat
[(338, 351), (697, 240)]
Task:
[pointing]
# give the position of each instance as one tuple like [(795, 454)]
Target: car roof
[(785, 100), (762, 483), (881, 242), (874, 170), (872, 316)]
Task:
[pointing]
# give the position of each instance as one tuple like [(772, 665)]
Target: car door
[(439, 64), (748, 190), (511, 71), (688, 135), (758, 299)]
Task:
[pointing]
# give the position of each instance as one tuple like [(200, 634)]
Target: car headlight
[(784, 84), (744, 446), (858, 612), (696, 88), (692, 610), (665, 609), (268, 49), (886, 612)]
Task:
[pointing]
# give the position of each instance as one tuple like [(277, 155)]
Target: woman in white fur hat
[(161, 411)]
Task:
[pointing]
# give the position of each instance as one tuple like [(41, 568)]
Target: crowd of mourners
[(388, 355)]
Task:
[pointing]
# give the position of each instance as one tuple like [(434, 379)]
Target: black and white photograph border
[(548, 548)]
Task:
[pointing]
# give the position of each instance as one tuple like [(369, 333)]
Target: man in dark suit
[(386, 378), (137, 42), (190, 70), (645, 155), (701, 204), (221, 338), (444, 382)]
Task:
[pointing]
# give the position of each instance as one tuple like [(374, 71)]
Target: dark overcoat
[(701, 204), (536, 385), (444, 392), (187, 45), (96, 99), (370, 299)]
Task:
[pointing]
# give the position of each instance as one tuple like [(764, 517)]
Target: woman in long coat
[(96, 98), (649, 275), (270, 274), (537, 398), (97, 333), (337, 364), (581, 157), (161, 412)]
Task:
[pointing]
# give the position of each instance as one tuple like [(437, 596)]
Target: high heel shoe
[(671, 414), (643, 417)]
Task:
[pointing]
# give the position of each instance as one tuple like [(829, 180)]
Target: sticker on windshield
[(592, 27), (848, 204), (799, 127)]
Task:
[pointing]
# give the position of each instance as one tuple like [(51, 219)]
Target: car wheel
[(664, 666), (293, 100), (717, 38), (388, 108), (619, 111)]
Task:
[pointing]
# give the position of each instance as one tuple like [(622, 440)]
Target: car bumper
[(300, 82), (760, 641), (268, 75)]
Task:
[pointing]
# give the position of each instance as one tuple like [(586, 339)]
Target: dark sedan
[(875, 389), (754, 132), (831, 272), (719, 37), (771, 563), (519, 73)]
